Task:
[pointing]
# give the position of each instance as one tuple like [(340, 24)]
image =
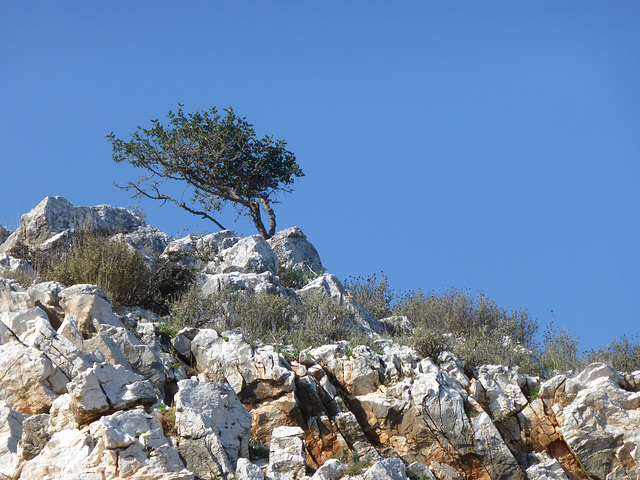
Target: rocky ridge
[(89, 393)]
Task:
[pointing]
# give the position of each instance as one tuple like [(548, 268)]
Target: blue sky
[(489, 146)]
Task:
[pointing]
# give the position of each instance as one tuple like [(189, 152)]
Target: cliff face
[(86, 393)]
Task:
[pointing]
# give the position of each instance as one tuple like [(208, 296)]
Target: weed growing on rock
[(168, 420), (373, 292)]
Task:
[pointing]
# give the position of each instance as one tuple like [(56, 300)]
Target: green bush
[(94, 258), (559, 350), (266, 318), (477, 330), (125, 275), (623, 354), (373, 293)]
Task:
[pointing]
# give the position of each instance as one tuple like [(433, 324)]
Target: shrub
[(623, 354), (372, 292), (96, 259), (266, 318), (295, 278), (477, 330), (560, 350)]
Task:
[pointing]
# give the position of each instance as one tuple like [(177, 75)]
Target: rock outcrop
[(88, 393)]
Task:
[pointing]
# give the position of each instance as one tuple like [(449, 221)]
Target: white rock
[(387, 469), (545, 468), (13, 297), (145, 240), (502, 386), (213, 427), (295, 251), (249, 255), (245, 470), (328, 285), (287, 453), (489, 446), (332, 469), (10, 434), (258, 375)]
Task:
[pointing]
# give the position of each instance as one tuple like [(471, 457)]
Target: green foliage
[(266, 318), (559, 350), (168, 420), (296, 278), (96, 259), (477, 330), (373, 293), (623, 354), (126, 276), (257, 449), (219, 157), (354, 464)]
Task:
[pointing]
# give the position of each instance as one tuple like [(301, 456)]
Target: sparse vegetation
[(168, 420), (265, 318)]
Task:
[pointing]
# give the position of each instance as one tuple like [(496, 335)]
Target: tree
[(218, 156)]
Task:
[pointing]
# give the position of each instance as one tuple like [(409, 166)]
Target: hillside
[(244, 359)]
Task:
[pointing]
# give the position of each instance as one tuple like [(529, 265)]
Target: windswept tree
[(219, 158)]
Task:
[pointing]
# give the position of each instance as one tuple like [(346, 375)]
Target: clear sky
[(489, 146)]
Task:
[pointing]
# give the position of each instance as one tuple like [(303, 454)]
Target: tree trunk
[(254, 208), (272, 217)]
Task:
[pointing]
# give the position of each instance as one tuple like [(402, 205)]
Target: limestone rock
[(332, 469), (265, 283), (90, 307), (10, 266), (295, 251), (10, 434), (397, 325), (55, 215), (252, 375), (245, 470), (13, 297), (601, 425), (145, 240), (128, 444), (286, 453), (502, 386), (35, 436), (387, 469), (545, 468), (489, 446), (249, 255), (213, 428)]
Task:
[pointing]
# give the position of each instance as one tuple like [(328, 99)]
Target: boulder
[(253, 375), (13, 297), (145, 240), (248, 255), (294, 251), (503, 390), (35, 435), (545, 468), (213, 428), (332, 469), (287, 458), (90, 307), (245, 470), (265, 283), (387, 469), (13, 267), (10, 433), (56, 215)]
